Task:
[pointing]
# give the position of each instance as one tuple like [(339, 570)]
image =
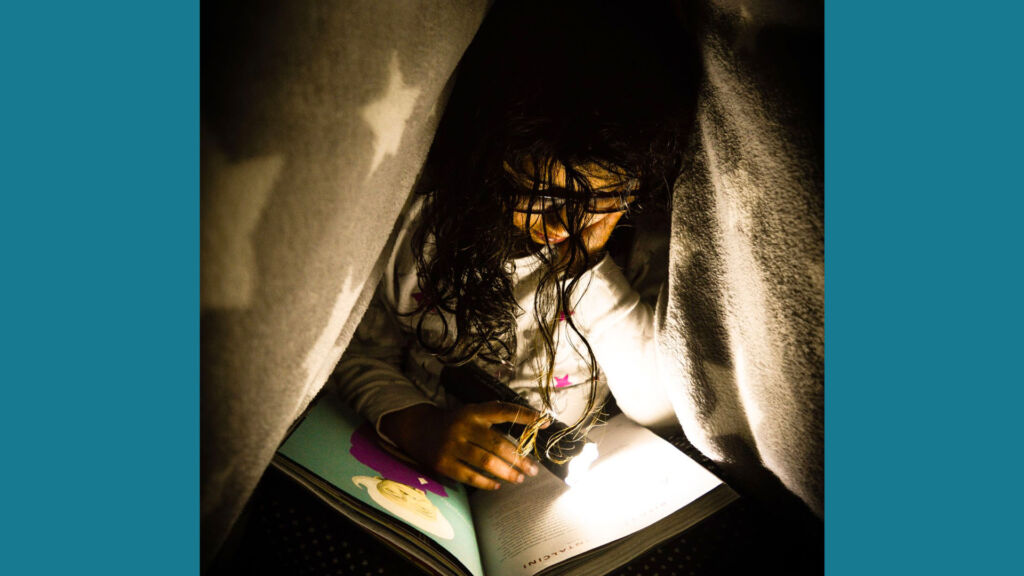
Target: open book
[(639, 492)]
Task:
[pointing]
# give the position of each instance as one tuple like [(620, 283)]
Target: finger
[(498, 412), (498, 444), (461, 472), (491, 463)]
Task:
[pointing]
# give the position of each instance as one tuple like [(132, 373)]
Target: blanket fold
[(316, 120), (743, 315)]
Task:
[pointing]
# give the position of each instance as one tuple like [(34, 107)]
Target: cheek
[(519, 221), (524, 223), (594, 219), (530, 223)]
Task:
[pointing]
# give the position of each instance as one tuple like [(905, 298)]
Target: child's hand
[(460, 444)]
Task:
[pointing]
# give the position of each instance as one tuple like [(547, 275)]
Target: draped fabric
[(742, 319), (316, 119)]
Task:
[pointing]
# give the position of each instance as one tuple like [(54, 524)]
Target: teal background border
[(99, 238), (923, 120), (100, 242)]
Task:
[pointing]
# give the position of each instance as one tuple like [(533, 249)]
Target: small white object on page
[(580, 464)]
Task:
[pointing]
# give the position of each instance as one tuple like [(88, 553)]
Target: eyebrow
[(608, 191), (566, 194), (524, 181)]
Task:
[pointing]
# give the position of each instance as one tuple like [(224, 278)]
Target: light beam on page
[(579, 466), (616, 473)]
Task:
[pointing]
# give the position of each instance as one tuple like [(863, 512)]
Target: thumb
[(499, 412)]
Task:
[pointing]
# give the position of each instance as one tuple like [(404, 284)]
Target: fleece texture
[(316, 119), (741, 333)]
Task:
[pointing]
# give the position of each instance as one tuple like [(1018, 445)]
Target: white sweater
[(384, 369)]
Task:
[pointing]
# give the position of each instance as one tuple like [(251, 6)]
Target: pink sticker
[(423, 302)]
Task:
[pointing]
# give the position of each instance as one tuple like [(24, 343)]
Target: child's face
[(549, 227)]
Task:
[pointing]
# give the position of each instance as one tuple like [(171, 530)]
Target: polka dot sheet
[(288, 531)]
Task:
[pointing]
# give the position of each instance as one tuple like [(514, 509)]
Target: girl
[(565, 120)]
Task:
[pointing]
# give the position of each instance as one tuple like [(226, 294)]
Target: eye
[(538, 204), (610, 204)]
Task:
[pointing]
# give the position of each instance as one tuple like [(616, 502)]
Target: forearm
[(402, 425), (620, 329), (374, 388)]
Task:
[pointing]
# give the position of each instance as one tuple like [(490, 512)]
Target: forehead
[(554, 175)]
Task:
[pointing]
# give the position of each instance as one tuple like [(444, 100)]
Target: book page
[(342, 449), (637, 480)]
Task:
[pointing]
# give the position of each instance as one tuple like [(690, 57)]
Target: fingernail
[(533, 469), (520, 478)]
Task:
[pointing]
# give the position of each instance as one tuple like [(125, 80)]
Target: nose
[(555, 223), (548, 228)]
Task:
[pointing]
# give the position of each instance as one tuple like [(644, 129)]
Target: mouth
[(545, 239)]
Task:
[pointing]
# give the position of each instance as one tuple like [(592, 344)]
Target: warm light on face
[(548, 226), (580, 464)]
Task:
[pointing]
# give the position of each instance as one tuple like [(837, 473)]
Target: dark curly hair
[(544, 86)]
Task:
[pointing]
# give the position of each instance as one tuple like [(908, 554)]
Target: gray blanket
[(316, 120), (315, 123), (742, 319)]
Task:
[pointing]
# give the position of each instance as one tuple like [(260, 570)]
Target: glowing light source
[(580, 464)]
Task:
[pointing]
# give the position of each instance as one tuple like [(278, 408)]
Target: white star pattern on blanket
[(235, 198), (387, 116)]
